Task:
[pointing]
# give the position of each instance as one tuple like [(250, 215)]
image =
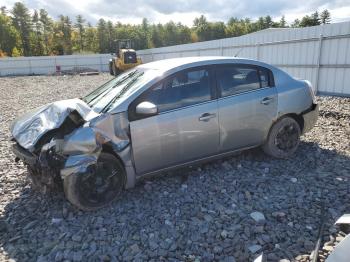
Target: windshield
[(107, 96)]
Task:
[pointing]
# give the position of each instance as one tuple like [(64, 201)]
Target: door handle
[(266, 100), (206, 116)]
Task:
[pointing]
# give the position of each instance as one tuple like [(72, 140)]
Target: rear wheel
[(283, 139), (99, 186)]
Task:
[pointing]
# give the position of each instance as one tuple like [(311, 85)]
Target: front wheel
[(98, 186), (111, 68), (116, 70), (283, 139)]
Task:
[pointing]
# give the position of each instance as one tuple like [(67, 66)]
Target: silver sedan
[(159, 116)]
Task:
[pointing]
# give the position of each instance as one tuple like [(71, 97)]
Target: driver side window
[(182, 89)]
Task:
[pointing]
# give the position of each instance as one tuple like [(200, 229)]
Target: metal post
[(318, 64), (55, 66), (101, 65), (30, 66), (258, 51)]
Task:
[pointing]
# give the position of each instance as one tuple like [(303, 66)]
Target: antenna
[(238, 52)]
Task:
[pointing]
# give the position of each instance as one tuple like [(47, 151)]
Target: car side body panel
[(289, 96), (173, 137), (244, 119)]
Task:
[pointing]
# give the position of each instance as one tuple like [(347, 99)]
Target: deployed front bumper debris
[(43, 169)]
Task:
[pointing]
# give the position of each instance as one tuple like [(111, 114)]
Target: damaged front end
[(65, 138)]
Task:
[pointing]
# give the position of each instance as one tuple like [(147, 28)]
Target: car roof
[(172, 63)]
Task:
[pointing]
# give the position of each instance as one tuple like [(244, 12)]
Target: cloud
[(128, 11)]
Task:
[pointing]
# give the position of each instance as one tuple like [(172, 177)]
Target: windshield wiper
[(124, 89), (114, 86)]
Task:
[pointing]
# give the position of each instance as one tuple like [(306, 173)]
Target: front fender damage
[(78, 151), (84, 145)]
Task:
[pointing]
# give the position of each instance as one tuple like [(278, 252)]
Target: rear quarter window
[(236, 79)]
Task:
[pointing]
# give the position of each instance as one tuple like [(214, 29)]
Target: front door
[(186, 127)]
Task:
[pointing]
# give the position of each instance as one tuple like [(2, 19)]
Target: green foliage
[(312, 20), (80, 25), (325, 17), (15, 52), (9, 36), (22, 22), (22, 33)]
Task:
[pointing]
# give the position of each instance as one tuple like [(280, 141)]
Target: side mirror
[(146, 108)]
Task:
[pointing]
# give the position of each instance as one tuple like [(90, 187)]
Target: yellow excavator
[(125, 59)]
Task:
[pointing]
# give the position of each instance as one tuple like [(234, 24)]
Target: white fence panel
[(320, 54), (47, 64)]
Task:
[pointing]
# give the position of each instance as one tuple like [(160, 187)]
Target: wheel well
[(299, 119), (106, 148)]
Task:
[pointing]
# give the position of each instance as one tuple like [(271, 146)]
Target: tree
[(217, 30), (261, 23), (3, 10), (268, 21), (110, 36), (63, 36), (91, 40), (37, 45), (184, 34), (102, 36), (9, 36), (47, 30), (325, 17), (312, 20), (296, 23), (238, 27), (81, 29), (316, 18), (15, 52), (283, 22), (157, 38), (201, 27), (22, 22), (145, 31), (170, 34)]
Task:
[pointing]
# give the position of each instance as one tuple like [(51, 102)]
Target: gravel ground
[(228, 210)]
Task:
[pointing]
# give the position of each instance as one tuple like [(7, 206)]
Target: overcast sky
[(132, 11)]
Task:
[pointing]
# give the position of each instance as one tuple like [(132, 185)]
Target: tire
[(116, 70), (99, 186), (111, 68), (283, 139)]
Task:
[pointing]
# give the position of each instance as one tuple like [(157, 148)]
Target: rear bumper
[(310, 118)]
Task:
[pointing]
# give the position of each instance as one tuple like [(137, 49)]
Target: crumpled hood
[(30, 127)]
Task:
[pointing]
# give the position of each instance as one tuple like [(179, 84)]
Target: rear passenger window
[(183, 89), (264, 77), (237, 79)]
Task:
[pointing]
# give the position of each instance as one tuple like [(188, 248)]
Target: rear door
[(247, 105), (186, 127)]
